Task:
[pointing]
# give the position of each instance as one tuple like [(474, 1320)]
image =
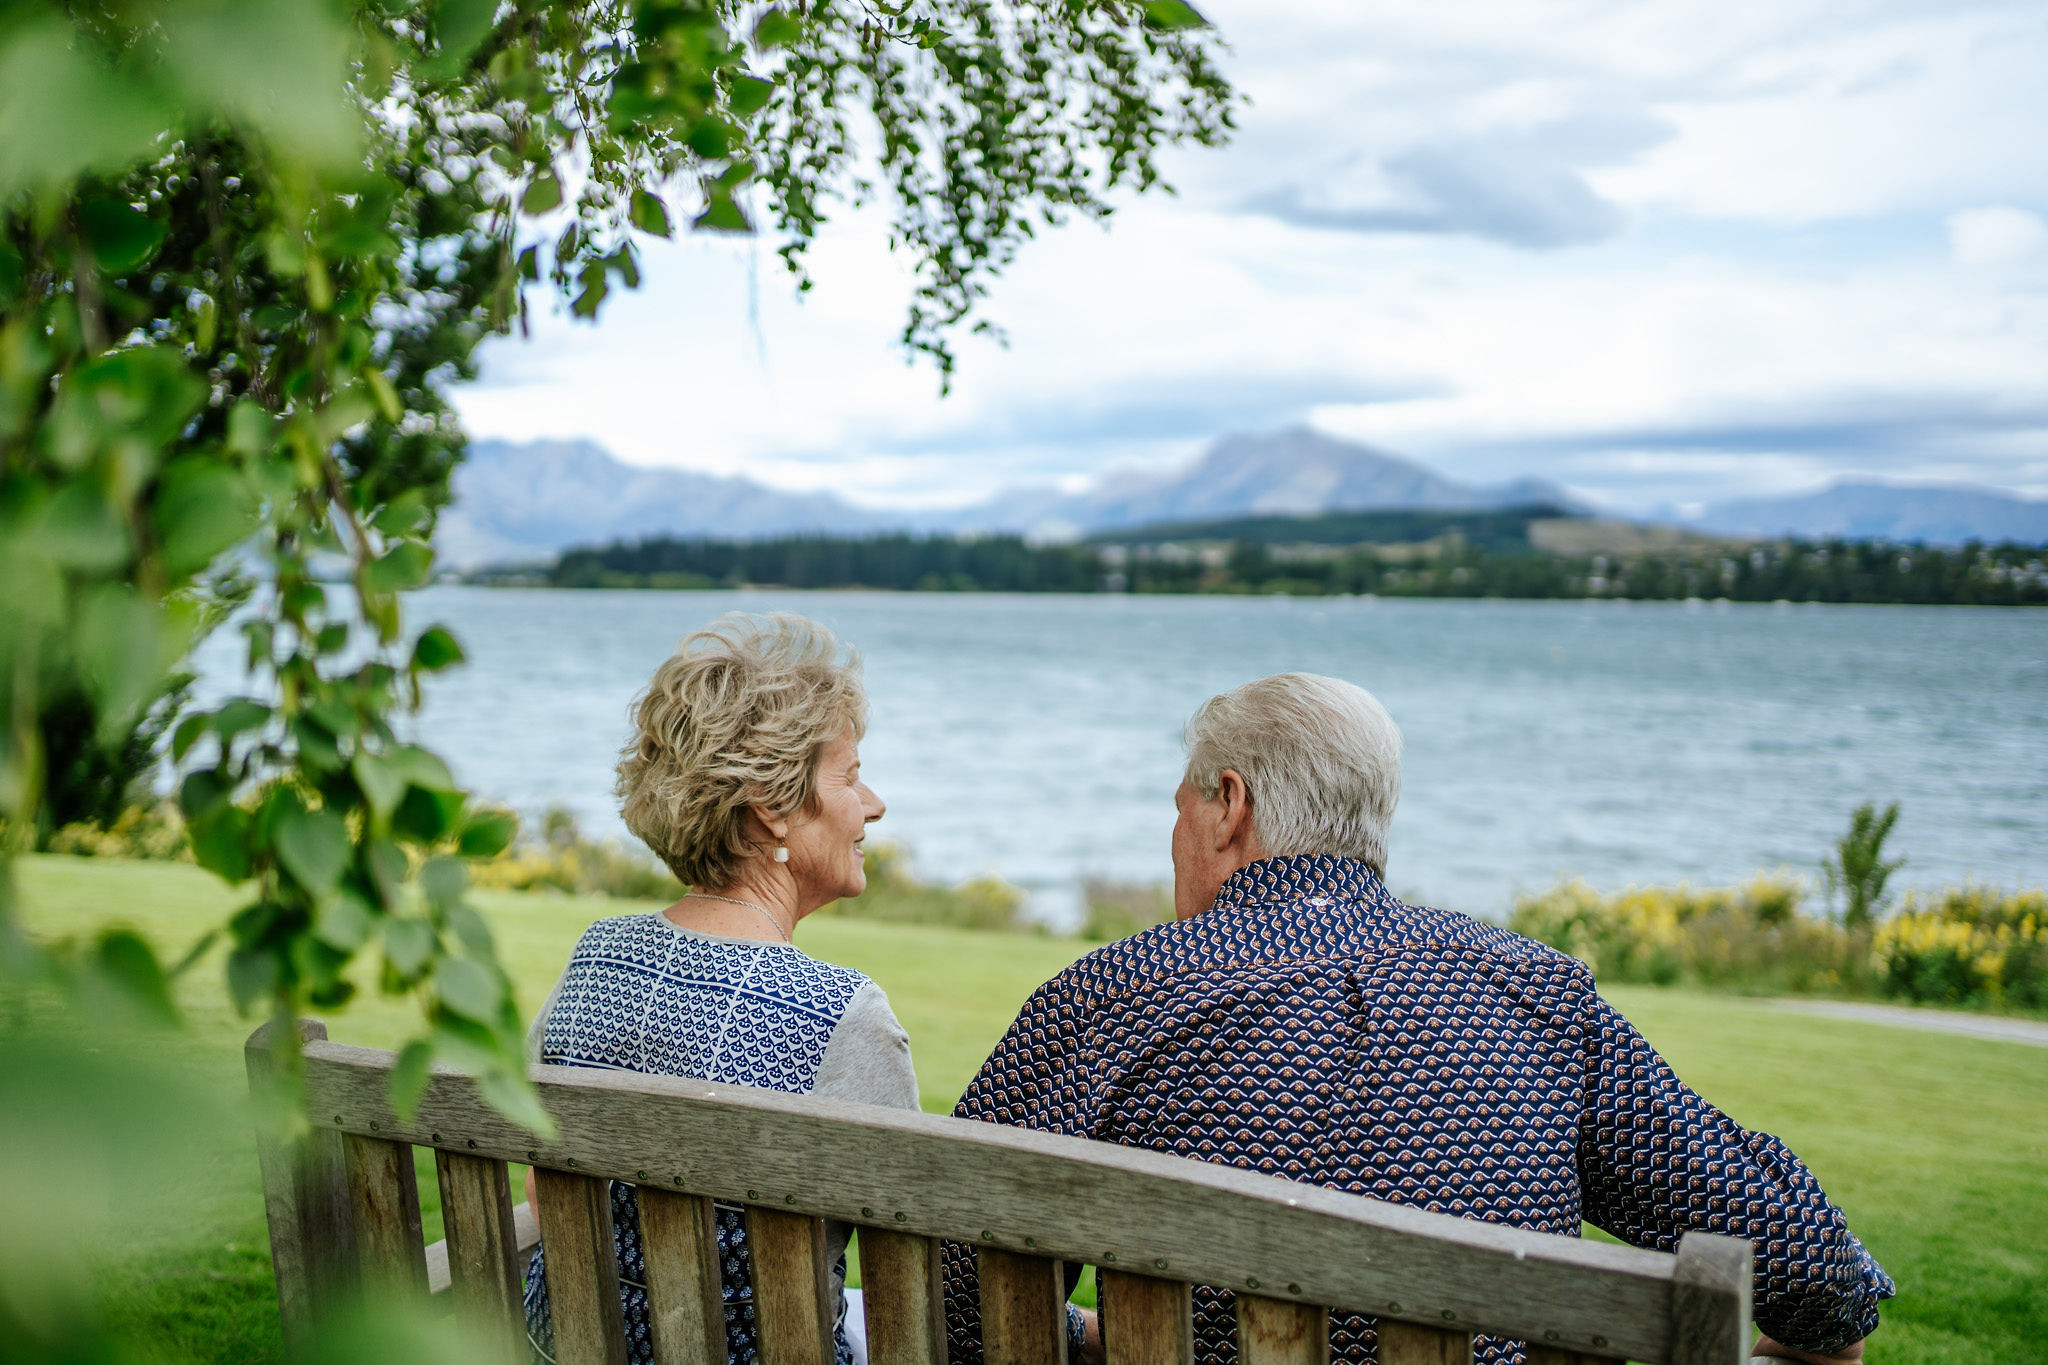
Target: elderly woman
[(743, 776)]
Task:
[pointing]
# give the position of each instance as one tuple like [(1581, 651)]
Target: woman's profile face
[(825, 854)]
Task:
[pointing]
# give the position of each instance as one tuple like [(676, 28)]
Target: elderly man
[(1298, 1019)]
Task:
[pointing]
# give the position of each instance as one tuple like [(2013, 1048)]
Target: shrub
[(1750, 937), (895, 895), (562, 859), (1971, 945), (1119, 909), (155, 832)]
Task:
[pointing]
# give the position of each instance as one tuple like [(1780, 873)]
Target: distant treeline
[(1797, 571)]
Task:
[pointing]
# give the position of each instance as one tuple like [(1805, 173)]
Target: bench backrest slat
[(906, 1306), (582, 1267), (685, 1295), (1147, 1321), (384, 1200), (483, 1249), (1023, 1308), (792, 1296), (1404, 1343), (1281, 1332)]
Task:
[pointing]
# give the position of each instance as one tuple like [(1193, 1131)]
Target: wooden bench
[(344, 1212)]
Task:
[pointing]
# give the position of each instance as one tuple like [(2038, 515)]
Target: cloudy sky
[(1658, 251)]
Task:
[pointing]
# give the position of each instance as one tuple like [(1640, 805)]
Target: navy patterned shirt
[(1312, 1026)]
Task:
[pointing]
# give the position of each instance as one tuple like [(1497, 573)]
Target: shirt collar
[(1300, 877)]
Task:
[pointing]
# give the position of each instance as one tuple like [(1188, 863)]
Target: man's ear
[(1234, 825)]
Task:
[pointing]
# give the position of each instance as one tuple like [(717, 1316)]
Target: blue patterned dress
[(641, 994)]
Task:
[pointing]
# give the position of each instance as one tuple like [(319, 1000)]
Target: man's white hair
[(1320, 756)]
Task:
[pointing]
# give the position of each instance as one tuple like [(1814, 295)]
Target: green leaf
[(650, 215), (405, 515), (381, 781), (408, 944), (11, 274), (385, 862), (776, 29), (80, 530), (121, 236), (103, 119), (749, 94), (427, 817), (444, 880), (473, 932), (409, 1077), (544, 195), (333, 638), (249, 428), (461, 24), (187, 734), (201, 792), (201, 508), (488, 833), (513, 1096), (123, 643), (722, 213), (253, 974), (129, 966), (1172, 15), (343, 922), (241, 713), (469, 988), (220, 842), (435, 650), (317, 748), (405, 566), (311, 845), (711, 137)]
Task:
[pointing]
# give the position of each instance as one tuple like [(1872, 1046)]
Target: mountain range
[(525, 502)]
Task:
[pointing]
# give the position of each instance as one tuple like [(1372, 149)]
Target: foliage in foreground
[(1974, 947)]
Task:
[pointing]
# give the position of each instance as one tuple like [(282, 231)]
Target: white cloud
[(1995, 235), (1742, 281)]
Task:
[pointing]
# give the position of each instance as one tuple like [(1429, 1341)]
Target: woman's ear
[(774, 827)]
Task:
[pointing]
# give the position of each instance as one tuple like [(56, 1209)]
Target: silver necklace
[(762, 911)]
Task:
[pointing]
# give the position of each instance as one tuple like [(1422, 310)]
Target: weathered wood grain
[(305, 1193), (1277, 1332), (792, 1295), (582, 1268), (906, 1306), (1406, 1343), (1541, 1355), (1146, 1321), (941, 1177), (525, 1237), (685, 1302), (1710, 1295), (1023, 1308), (384, 1201), (481, 1250)]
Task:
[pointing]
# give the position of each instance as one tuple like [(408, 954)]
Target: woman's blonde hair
[(736, 716)]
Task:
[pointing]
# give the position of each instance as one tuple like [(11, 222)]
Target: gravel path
[(1936, 1021)]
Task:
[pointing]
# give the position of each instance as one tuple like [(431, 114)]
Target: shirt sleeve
[(1657, 1161), (1040, 1076), (867, 1059)]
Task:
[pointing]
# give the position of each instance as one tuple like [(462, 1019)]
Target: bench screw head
[(471, 1144), (987, 1236), (572, 1163), (1294, 1289), (902, 1217), (1393, 1307), (1550, 1336), (1161, 1263), (1599, 1341), (1251, 1282), (533, 1156), (1110, 1257), (1449, 1316), (337, 1118), (789, 1199), (753, 1194), (437, 1137), (1031, 1241), (639, 1175), (373, 1125), (866, 1212), (679, 1182)]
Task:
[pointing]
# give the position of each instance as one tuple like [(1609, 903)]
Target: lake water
[(1038, 737)]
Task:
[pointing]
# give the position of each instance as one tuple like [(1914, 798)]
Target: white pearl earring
[(782, 853)]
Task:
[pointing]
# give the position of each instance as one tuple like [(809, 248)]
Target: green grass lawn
[(1934, 1144)]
